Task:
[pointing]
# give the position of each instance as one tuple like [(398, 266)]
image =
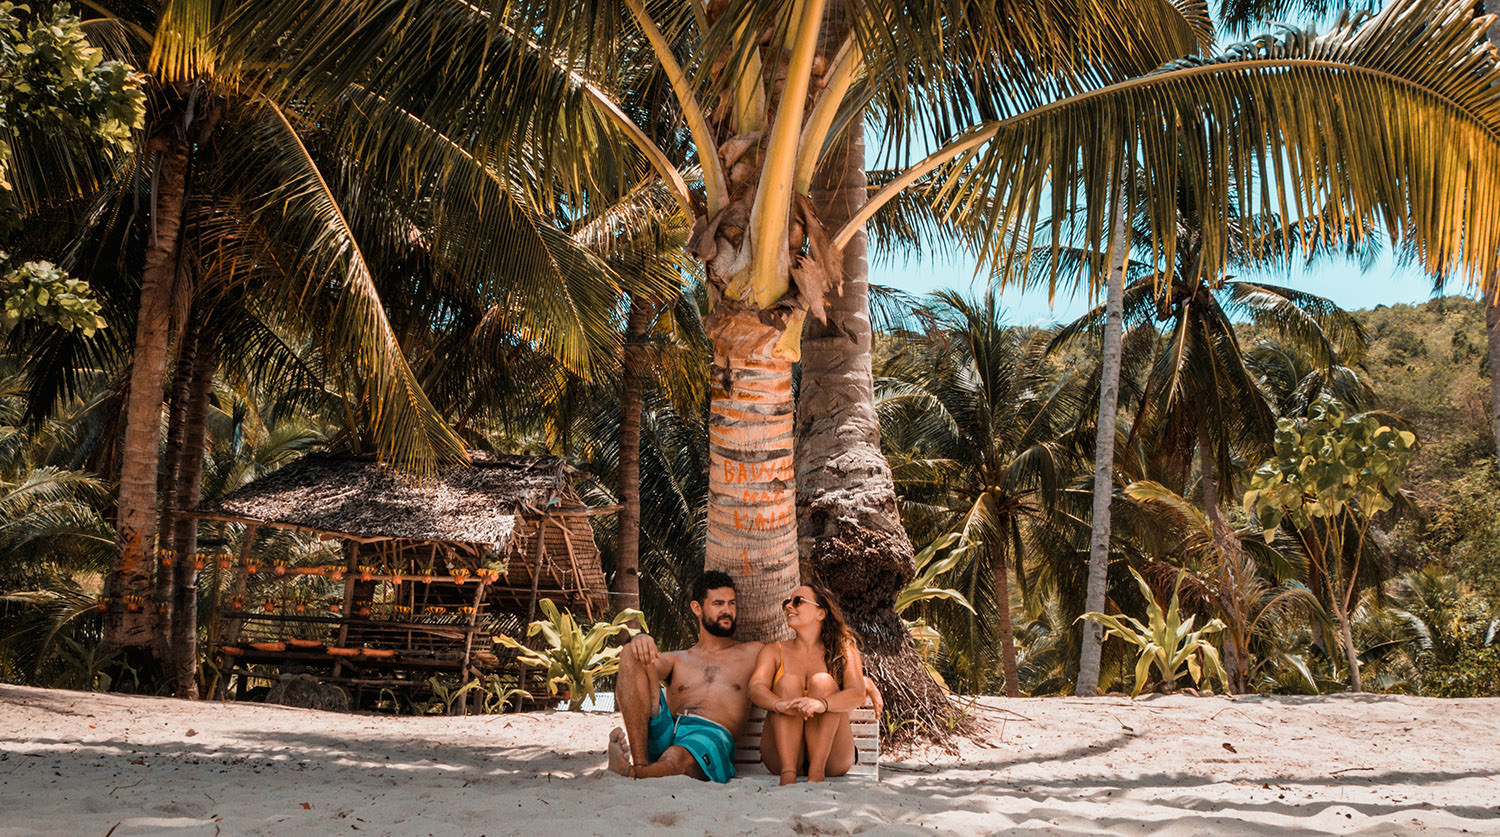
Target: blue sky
[(1385, 283)]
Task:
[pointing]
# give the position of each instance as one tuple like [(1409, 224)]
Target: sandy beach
[(97, 764)]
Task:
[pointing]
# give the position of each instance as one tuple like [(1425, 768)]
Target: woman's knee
[(821, 685)]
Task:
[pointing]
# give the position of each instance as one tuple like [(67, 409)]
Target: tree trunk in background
[(1001, 571), (1104, 454), (167, 482), (1492, 305), (1231, 561), (752, 516), (185, 534), (1492, 324), (128, 617), (849, 530), (634, 362)]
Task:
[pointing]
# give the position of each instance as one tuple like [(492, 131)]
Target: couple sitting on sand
[(683, 709)]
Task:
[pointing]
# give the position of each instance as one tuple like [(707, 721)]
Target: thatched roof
[(358, 497)]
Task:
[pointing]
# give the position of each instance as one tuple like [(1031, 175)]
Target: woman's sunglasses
[(798, 601)]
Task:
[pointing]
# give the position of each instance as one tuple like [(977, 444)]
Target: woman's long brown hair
[(836, 637)]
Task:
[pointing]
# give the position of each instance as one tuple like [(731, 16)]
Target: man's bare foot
[(619, 752), (788, 777)]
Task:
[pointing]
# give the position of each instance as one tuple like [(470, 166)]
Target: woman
[(808, 685)]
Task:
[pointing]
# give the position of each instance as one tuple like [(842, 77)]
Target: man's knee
[(630, 667), (821, 684)]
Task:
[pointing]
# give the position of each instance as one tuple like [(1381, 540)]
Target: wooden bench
[(866, 743)]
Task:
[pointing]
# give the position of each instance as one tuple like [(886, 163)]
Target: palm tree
[(306, 203), (1035, 116), (1201, 392), (986, 447)]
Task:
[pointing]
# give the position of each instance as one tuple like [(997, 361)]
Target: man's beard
[(717, 628)]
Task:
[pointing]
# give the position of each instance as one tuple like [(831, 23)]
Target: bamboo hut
[(429, 571)]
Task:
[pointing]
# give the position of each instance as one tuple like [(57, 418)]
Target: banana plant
[(953, 548), (1168, 643), (925, 585), (572, 657)]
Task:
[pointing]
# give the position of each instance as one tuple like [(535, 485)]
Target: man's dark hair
[(711, 580)]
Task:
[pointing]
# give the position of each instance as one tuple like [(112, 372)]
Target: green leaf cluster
[(1169, 642), (42, 291), (1326, 465), (940, 557), (573, 657), (52, 80)]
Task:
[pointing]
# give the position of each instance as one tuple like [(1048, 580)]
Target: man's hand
[(643, 649)]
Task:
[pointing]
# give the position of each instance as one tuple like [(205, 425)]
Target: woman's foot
[(788, 777)]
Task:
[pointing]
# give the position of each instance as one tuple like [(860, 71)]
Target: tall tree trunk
[(999, 567), (1492, 324), (752, 519), (634, 362), (1104, 453), (1492, 304), (185, 535), (1231, 566), (1346, 634), (849, 529), (128, 618), (167, 482)]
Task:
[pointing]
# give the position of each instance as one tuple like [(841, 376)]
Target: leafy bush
[(1168, 643), (41, 291), (1475, 673), (574, 658)]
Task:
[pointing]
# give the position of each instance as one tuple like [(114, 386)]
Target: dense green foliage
[(509, 322)]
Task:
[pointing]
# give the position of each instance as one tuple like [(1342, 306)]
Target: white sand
[(76, 763)]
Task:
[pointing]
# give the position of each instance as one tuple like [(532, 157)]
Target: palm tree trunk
[(1104, 453), (167, 488), (185, 535), (1492, 324), (627, 586), (1492, 306), (752, 519), (849, 530), (998, 566), (1231, 587), (128, 618)]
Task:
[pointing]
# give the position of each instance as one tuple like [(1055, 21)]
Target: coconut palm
[(1202, 394), (985, 446), (732, 105), (303, 204)]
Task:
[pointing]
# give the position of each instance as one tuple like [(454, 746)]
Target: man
[(683, 709)]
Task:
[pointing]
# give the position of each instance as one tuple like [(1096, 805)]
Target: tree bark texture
[(167, 482), (1492, 325), (752, 520), (633, 367), (128, 617), (1000, 569), (185, 531), (1104, 454), (849, 529)]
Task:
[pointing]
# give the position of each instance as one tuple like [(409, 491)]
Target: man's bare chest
[(710, 676)]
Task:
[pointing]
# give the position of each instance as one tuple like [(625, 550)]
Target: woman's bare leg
[(830, 742), (781, 737)]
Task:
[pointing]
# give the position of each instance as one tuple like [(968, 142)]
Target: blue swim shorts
[(711, 745)]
